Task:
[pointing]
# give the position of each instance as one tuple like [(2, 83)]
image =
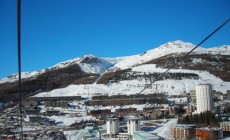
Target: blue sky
[(59, 30)]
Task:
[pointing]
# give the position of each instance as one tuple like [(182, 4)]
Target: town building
[(209, 133), (228, 94), (100, 113), (133, 124), (183, 132), (37, 119), (173, 110), (219, 96), (189, 109), (193, 95), (204, 98), (125, 111), (123, 136), (32, 111), (52, 112), (112, 125), (154, 114), (225, 126)]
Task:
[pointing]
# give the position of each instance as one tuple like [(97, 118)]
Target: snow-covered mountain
[(87, 63), (129, 75), (170, 48)]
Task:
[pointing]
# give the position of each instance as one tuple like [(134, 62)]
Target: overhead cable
[(176, 63)]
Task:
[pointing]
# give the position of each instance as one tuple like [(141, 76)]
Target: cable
[(162, 74), (19, 62)]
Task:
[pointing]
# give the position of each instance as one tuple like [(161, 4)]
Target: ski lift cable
[(205, 39)]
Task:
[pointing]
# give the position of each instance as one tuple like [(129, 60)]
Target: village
[(118, 117)]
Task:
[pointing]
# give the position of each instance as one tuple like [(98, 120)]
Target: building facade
[(209, 133), (225, 126), (204, 99), (133, 124), (183, 132), (112, 125)]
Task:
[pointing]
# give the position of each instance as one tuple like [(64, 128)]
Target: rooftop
[(145, 135), (184, 126)]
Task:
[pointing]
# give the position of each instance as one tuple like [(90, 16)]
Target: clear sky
[(59, 30)]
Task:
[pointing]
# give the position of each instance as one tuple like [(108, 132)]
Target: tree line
[(204, 119)]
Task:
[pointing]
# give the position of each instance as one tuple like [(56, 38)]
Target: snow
[(168, 48), (197, 60), (117, 59), (24, 75), (67, 121), (169, 86), (106, 64), (164, 131), (71, 135), (224, 50), (96, 68)]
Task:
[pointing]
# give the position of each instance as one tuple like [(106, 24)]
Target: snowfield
[(127, 87), (171, 87)]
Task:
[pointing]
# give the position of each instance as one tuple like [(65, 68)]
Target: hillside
[(128, 75), (83, 70)]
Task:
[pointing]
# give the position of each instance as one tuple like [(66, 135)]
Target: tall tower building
[(204, 97), (112, 126), (133, 124)]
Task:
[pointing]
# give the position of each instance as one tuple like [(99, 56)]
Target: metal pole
[(19, 61), (99, 133)]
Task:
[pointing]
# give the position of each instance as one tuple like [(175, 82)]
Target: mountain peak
[(177, 44), (90, 59), (89, 56)]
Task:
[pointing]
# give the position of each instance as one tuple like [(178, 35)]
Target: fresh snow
[(170, 48), (224, 50), (164, 131), (168, 86), (24, 75), (96, 68), (125, 62)]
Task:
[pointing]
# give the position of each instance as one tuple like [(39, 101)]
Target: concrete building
[(225, 126), (207, 133), (133, 124), (204, 98), (126, 111), (193, 95), (112, 125), (183, 132), (37, 119), (189, 109), (101, 113), (123, 136)]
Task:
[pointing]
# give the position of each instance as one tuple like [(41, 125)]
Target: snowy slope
[(24, 75), (168, 86), (125, 62), (224, 50), (96, 68), (95, 65), (170, 48), (165, 130)]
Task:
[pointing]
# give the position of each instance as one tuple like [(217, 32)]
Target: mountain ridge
[(128, 75), (177, 46)]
